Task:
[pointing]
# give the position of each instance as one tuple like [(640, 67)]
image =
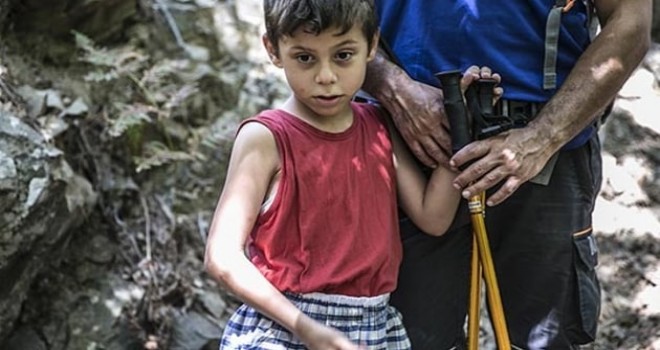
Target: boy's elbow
[(217, 268), (435, 228), (209, 264), (436, 233)]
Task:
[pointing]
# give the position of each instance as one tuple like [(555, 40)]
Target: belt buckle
[(513, 109), (520, 108)]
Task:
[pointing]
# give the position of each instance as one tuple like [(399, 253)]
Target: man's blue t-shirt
[(429, 36)]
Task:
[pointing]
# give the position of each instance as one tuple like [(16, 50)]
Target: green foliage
[(158, 95), (130, 115), (93, 55), (157, 154), (109, 64)]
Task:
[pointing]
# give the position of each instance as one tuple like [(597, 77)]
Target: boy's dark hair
[(284, 17)]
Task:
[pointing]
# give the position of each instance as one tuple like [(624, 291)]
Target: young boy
[(305, 232)]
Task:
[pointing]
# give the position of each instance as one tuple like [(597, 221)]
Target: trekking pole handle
[(486, 87), (455, 108)]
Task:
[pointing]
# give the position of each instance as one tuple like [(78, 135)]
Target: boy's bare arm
[(254, 162), (431, 204)]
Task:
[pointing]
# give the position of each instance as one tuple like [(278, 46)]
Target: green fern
[(160, 94), (92, 54), (129, 116), (157, 154)]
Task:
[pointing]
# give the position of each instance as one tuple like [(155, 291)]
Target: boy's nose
[(326, 75)]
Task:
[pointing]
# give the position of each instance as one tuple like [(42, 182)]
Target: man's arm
[(416, 109), (601, 71), (520, 154)]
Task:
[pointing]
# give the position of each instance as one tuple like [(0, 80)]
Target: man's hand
[(519, 154), (514, 156), (416, 110), (418, 114)]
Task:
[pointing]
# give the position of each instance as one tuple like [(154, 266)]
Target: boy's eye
[(344, 55), (304, 58)]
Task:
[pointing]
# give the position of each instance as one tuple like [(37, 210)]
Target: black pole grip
[(486, 87), (455, 109)]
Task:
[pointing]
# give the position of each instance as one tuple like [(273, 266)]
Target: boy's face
[(326, 70)]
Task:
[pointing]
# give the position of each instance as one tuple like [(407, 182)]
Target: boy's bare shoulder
[(255, 134)]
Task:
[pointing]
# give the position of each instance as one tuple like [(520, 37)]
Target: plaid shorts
[(367, 321)]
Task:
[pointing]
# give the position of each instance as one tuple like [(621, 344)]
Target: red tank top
[(333, 224)]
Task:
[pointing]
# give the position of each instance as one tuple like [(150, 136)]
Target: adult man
[(541, 180)]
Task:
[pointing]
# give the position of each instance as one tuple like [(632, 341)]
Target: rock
[(45, 27), (40, 201), (76, 109), (193, 331), (26, 338)]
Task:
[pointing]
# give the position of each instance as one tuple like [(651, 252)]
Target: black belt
[(518, 109)]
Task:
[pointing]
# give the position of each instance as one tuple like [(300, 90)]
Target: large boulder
[(41, 199)]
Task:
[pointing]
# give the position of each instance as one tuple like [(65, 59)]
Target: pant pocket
[(585, 315)]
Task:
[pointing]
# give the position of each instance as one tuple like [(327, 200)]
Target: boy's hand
[(317, 336)]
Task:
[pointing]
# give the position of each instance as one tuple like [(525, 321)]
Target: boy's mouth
[(328, 97)]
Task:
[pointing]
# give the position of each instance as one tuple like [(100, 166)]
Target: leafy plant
[(159, 94), (157, 154)]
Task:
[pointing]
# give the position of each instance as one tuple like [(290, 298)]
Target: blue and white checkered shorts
[(367, 321)]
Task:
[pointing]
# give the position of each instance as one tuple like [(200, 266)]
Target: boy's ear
[(374, 46), (272, 53)]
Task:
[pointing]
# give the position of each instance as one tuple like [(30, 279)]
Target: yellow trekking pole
[(475, 296), (482, 261)]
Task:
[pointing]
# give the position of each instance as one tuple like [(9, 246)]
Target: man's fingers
[(474, 150), (486, 176), (428, 144), (420, 153), (439, 145), (435, 151), (509, 187)]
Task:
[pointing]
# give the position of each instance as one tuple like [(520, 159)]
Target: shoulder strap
[(552, 27)]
